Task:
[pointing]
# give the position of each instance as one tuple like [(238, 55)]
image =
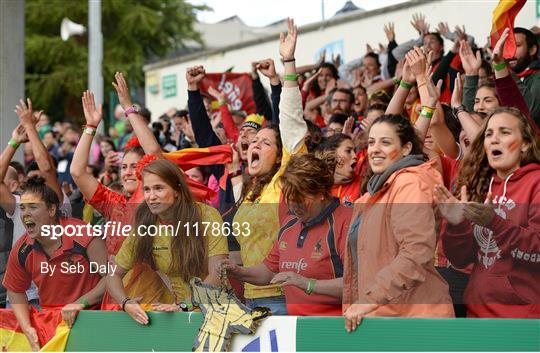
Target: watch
[(185, 306), (132, 109)]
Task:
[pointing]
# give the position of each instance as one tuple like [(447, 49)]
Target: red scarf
[(526, 73)]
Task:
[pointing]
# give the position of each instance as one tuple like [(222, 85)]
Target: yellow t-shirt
[(262, 215), (216, 245)]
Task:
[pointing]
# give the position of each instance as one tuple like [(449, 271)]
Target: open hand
[(122, 90), (449, 206), (287, 43), (91, 114)]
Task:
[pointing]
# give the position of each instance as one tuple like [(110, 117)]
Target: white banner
[(276, 334)]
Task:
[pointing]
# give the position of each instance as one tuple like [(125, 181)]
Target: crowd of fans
[(403, 183)]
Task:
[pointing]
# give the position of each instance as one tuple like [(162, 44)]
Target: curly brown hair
[(475, 172), (306, 174)]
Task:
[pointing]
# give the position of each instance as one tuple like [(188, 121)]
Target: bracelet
[(124, 302), (88, 125), (13, 143), (84, 302), (222, 103), (290, 77), (395, 80), (499, 67), (421, 84), (90, 131), (288, 60), (460, 109), (405, 84), (426, 114), (428, 109), (235, 174), (310, 286)]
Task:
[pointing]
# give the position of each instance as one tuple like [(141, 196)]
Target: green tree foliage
[(133, 32)]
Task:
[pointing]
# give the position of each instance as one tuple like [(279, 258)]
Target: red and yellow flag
[(48, 324), (503, 17)]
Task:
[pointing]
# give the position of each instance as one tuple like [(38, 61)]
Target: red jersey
[(350, 192), (115, 207), (314, 250), (61, 279)]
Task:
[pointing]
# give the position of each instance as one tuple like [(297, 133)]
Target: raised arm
[(292, 126), (204, 134), (146, 137), (41, 154), (471, 63), (85, 181), (268, 69), (262, 104), (7, 200), (507, 88), (400, 95), (231, 131), (469, 125)]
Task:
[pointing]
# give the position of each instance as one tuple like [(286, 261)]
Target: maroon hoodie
[(505, 281)]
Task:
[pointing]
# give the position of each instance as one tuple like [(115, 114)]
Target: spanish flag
[(47, 323), (186, 159), (193, 157), (503, 17)]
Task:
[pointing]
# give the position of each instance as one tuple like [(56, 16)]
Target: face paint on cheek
[(513, 146), (393, 154)]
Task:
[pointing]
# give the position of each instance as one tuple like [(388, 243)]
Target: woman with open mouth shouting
[(495, 224), (57, 254), (268, 154)]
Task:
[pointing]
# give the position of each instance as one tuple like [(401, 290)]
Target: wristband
[(235, 174), (428, 109), (405, 84), (395, 80), (13, 143), (310, 286), (290, 77), (84, 302), (499, 67), (92, 126), (132, 109), (426, 114), (90, 131), (124, 302), (288, 60), (460, 109)]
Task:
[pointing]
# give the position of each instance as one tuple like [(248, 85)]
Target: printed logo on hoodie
[(489, 250)]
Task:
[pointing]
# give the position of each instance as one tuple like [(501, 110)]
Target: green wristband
[(290, 77), (84, 302), (499, 67), (13, 143), (426, 114), (405, 84), (310, 286)]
